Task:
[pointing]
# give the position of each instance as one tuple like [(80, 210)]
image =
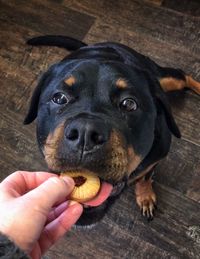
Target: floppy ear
[(33, 109), (163, 104)]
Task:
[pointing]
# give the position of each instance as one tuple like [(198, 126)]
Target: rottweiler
[(103, 108)]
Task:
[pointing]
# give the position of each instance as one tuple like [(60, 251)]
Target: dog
[(103, 108)]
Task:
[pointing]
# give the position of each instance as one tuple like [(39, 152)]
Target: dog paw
[(147, 204), (146, 198)]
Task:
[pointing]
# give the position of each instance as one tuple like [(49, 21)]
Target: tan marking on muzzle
[(70, 81), (121, 161), (116, 157), (51, 147), (133, 160)]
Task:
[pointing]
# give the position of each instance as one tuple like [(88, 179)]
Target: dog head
[(97, 114)]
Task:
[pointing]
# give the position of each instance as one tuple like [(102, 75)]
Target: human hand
[(34, 212)]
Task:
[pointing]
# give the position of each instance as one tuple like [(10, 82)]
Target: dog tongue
[(103, 194)]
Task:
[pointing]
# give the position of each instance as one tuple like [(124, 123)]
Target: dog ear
[(33, 108), (163, 104)]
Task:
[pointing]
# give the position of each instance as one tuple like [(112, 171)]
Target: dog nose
[(86, 134)]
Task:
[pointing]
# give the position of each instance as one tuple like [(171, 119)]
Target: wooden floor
[(166, 30)]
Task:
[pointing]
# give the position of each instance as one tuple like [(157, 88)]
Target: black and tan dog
[(103, 108)]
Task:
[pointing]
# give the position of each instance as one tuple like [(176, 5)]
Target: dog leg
[(174, 79), (145, 197)]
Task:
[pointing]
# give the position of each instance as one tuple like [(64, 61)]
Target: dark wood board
[(45, 17), (160, 23), (123, 234), (167, 33), (184, 6)]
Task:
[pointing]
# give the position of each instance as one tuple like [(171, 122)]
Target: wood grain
[(123, 234), (164, 31), (146, 19), (45, 17), (183, 6)]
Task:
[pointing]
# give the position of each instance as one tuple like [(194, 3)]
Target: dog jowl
[(103, 108)]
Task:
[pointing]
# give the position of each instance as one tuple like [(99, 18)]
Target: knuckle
[(59, 182)]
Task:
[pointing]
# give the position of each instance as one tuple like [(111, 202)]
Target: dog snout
[(86, 134)]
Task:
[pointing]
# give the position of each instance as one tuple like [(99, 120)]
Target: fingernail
[(71, 203), (68, 180), (76, 208)]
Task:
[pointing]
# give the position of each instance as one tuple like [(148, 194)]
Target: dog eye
[(60, 98), (128, 105)]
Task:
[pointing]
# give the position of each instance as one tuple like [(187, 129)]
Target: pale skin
[(35, 211)]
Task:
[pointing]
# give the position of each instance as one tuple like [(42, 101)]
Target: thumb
[(53, 190)]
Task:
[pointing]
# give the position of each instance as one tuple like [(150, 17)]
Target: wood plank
[(190, 7), (185, 107), (181, 31), (170, 39), (164, 53), (13, 49), (16, 84), (124, 234), (180, 169), (19, 150), (45, 17), (154, 2)]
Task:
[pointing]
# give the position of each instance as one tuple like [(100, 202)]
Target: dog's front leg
[(145, 197)]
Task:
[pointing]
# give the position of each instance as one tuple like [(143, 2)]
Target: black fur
[(96, 68)]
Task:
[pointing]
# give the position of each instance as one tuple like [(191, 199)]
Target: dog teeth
[(87, 185)]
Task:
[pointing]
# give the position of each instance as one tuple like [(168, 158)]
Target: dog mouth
[(95, 209), (107, 190)]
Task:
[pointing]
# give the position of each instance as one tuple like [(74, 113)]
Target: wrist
[(8, 249)]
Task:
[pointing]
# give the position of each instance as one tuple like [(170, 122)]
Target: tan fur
[(193, 84), (133, 160), (121, 83), (172, 84), (145, 197), (51, 147), (116, 157), (70, 81), (119, 160)]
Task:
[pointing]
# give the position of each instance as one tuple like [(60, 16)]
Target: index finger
[(20, 182)]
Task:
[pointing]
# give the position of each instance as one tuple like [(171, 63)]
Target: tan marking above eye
[(121, 83), (70, 81)]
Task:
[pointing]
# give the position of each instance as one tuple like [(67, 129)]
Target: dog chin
[(92, 215)]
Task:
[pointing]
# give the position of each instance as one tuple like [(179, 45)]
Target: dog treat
[(87, 185)]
